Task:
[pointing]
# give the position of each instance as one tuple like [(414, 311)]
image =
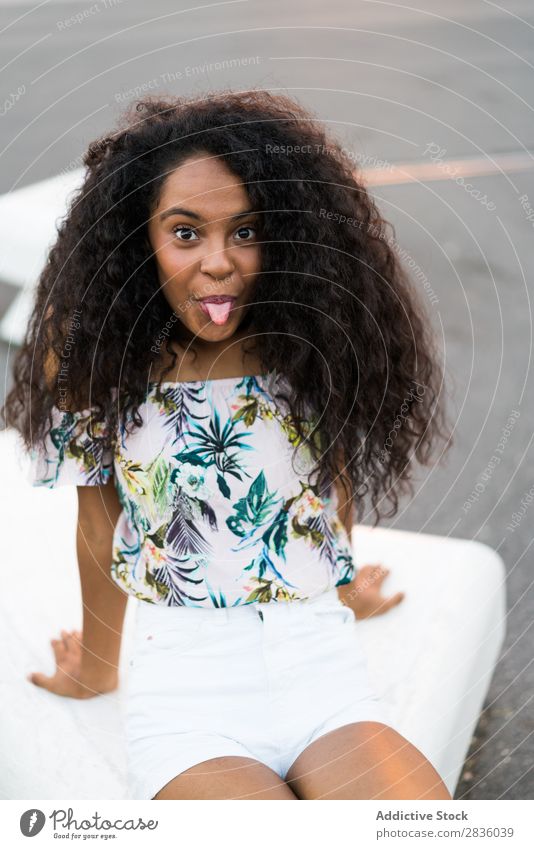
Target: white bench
[(432, 657)]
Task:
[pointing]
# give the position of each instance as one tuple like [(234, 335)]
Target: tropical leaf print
[(152, 482), (161, 473), (247, 411), (257, 403), (157, 537), (309, 522), (219, 600), (74, 439), (193, 492), (346, 566), (176, 404), (320, 535), (251, 513), (275, 537), (223, 486), (268, 590), (212, 445), (123, 573), (183, 537), (174, 574), (134, 475), (254, 509), (267, 562)]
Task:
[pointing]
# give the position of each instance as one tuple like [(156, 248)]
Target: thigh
[(227, 778), (364, 760)]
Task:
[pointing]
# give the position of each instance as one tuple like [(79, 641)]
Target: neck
[(228, 353)]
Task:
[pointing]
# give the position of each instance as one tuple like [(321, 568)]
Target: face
[(205, 239)]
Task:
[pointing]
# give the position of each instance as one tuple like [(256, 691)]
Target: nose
[(217, 262)]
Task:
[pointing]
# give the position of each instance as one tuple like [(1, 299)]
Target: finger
[(393, 601), (69, 641), (368, 573), (380, 574), (59, 649), (39, 680)]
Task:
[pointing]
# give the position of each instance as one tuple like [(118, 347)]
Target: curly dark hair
[(352, 339)]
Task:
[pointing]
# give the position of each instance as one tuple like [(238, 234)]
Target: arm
[(345, 513), (87, 664), (364, 593), (104, 603)]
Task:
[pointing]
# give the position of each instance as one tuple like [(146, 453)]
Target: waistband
[(149, 612)]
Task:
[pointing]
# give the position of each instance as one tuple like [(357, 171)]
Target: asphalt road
[(453, 81)]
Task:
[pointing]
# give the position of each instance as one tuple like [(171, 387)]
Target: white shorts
[(204, 683)]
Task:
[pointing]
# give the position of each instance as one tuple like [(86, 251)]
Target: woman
[(222, 347)]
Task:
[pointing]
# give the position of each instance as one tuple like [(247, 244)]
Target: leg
[(364, 760), (227, 777)]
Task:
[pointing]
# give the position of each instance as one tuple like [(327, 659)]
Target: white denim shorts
[(260, 681)]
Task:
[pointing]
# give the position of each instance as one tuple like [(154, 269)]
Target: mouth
[(217, 307)]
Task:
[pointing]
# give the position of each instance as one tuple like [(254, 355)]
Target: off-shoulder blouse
[(215, 511)]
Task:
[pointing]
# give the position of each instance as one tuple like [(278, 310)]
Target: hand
[(364, 593), (69, 679)]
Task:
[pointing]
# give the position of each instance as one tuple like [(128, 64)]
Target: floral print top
[(214, 513)]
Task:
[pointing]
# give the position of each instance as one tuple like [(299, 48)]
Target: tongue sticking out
[(218, 312)]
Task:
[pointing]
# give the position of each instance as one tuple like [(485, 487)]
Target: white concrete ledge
[(432, 657)]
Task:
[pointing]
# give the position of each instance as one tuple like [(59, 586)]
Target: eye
[(186, 231), (244, 229)]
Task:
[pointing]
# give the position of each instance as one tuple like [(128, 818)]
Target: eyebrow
[(179, 210)]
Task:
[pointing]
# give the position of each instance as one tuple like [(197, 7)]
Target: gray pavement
[(391, 82)]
